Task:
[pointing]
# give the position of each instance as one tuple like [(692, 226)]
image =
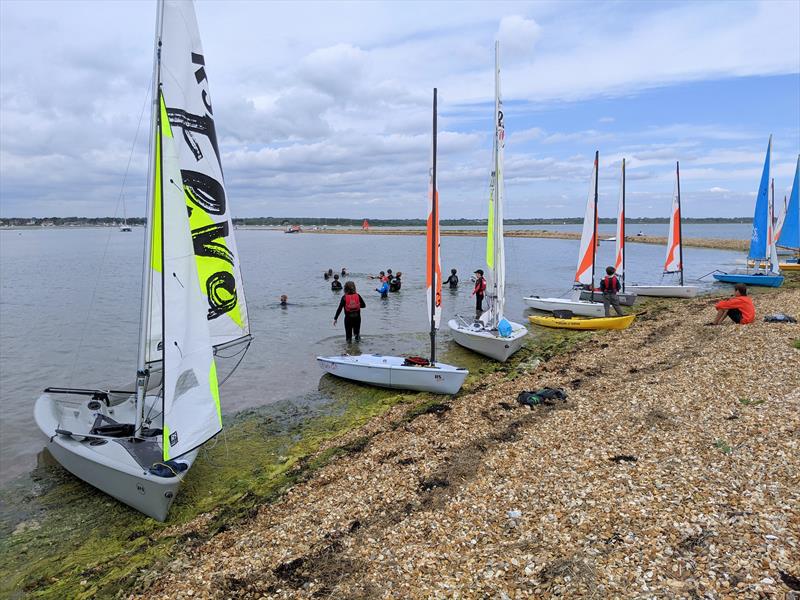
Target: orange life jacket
[(352, 303)]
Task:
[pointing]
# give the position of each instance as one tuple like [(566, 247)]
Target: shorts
[(735, 314)]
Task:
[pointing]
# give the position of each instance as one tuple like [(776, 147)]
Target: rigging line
[(236, 366), (99, 271)]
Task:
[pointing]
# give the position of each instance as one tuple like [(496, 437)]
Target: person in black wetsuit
[(336, 285), (452, 281), (396, 283), (284, 301), (351, 303)]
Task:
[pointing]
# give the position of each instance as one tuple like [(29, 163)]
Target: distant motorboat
[(293, 229)]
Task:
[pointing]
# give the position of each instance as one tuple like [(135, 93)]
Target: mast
[(434, 235), (594, 225), (142, 372), (498, 191), (622, 226), (680, 219)]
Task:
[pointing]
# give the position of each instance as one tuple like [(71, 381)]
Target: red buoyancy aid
[(480, 286), (609, 284), (352, 303)]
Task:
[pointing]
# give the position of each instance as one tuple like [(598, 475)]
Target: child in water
[(336, 285), (383, 290), (452, 281), (284, 300)]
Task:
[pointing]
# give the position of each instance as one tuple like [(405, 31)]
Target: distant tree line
[(322, 222)]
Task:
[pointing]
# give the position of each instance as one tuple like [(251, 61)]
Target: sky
[(323, 109)]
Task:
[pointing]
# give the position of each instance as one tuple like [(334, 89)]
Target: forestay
[(189, 110)]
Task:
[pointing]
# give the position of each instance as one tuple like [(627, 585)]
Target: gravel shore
[(672, 470)]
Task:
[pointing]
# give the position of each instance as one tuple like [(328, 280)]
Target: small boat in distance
[(125, 227), (293, 229), (412, 373), (762, 242), (492, 334), (674, 261)]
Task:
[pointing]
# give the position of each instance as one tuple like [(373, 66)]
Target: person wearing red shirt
[(478, 291), (740, 308)]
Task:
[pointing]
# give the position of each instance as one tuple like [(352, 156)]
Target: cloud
[(518, 37)]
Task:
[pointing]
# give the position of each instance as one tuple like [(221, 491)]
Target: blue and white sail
[(790, 232), (760, 239)]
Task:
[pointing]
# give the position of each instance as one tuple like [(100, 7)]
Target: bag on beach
[(545, 395), (779, 318)]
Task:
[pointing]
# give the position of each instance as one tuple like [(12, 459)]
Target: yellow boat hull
[(598, 323)]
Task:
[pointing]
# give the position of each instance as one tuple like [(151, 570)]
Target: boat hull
[(584, 324), (578, 307), (390, 372), (104, 462), (486, 342), (625, 298), (750, 279), (665, 291), (789, 266)]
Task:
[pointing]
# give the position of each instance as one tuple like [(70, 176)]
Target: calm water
[(69, 307)]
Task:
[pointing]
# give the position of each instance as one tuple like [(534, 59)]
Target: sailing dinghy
[(790, 231), (762, 242), (584, 275), (492, 334), (138, 445), (625, 298), (399, 372), (674, 261)]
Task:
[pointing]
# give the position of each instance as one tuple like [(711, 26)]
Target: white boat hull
[(583, 308), (103, 461), (487, 342), (664, 291), (390, 372), (625, 298)]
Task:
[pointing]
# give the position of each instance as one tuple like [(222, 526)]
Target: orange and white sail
[(619, 255), (586, 256), (673, 262), (433, 270)]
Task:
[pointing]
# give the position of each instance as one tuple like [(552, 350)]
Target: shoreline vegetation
[(669, 471)]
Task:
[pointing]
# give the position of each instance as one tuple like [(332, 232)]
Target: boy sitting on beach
[(740, 308)]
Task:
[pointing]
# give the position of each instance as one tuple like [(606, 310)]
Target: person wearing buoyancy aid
[(610, 286), (351, 303), (479, 291), (396, 283)]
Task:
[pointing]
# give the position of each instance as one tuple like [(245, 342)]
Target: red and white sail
[(583, 274), (619, 255), (673, 262), (433, 269)]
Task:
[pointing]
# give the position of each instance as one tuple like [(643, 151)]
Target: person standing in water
[(479, 290), (452, 281), (351, 303), (384, 289), (396, 283), (336, 285)]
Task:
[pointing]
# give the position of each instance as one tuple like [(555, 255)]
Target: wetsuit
[(395, 285), (352, 315), (383, 290), (609, 285), (479, 291), (452, 281), (336, 285)]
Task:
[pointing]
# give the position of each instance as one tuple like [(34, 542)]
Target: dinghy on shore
[(762, 242), (584, 324), (790, 231), (493, 335), (404, 373), (138, 444), (674, 261)]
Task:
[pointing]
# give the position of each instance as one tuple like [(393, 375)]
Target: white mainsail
[(672, 264), (495, 254), (191, 396), (585, 271), (185, 89)]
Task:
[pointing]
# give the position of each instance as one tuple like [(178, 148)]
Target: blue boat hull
[(763, 280)]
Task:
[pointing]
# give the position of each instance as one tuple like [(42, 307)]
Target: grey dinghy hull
[(625, 298), (665, 291), (488, 343), (390, 372), (107, 463)]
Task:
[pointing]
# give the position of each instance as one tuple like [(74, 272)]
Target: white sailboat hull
[(579, 307), (487, 342), (390, 372), (103, 461), (664, 291), (625, 298)]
